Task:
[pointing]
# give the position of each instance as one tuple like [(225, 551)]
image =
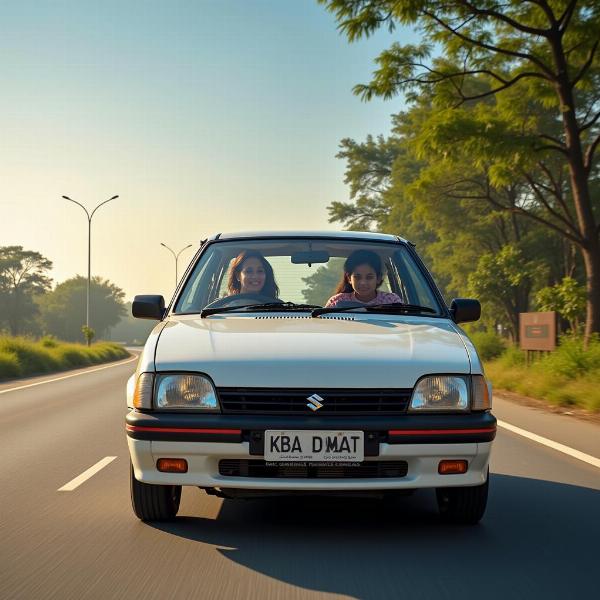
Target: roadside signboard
[(537, 331)]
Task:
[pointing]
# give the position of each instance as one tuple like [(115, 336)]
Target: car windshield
[(308, 272)]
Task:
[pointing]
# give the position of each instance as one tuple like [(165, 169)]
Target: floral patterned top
[(380, 298)]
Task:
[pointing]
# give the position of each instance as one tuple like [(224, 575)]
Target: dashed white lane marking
[(588, 458), (22, 387), (74, 483)]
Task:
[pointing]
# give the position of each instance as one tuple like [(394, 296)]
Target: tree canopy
[(322, 284), (63, 309), (23, 276), (504, 115)]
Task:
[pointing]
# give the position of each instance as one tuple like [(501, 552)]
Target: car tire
[(464, 505), (154, 502)]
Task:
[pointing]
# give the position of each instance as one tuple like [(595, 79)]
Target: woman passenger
[(251, 273), (363, 274)]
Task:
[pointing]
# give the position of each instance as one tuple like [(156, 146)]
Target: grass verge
[(569, 376), (22, 357)]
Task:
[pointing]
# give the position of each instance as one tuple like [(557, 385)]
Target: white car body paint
[(282, 350)]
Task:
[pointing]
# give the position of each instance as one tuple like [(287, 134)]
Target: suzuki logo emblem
[(315, 402)]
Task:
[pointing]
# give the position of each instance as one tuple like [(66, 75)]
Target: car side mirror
[(148, 307), (464, 310)]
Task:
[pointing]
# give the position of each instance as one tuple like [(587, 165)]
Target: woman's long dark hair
[(233, 284), (357, 258)]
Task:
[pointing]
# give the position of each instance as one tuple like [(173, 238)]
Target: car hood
[(295, 350)]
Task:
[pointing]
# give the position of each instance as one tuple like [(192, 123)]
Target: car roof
[(342, 235)]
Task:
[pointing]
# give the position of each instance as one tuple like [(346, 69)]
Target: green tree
[(368, 174), (505, 278), (23, 276), (439, 207), (378, 172), (477, 156), (63, 309), (88, 334), (543, 56), (321, 285), (566, 298), (475, 198)]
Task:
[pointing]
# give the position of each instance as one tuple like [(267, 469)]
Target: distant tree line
[(31, 306), (492, 169)]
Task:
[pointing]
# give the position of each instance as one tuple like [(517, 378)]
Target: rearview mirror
[(309, 257), (465, 309), (148, 307)]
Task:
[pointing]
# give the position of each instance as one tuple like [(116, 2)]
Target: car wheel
[(154, 502), (464, 505)]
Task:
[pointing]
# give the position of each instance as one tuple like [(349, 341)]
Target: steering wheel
[(233, 300)]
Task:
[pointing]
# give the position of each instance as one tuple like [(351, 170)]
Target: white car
[(256, 390)]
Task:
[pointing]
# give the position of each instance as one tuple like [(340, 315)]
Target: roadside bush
[(20, 357), (488, 344), (49, 341), (9, 365), (513, 357), (570, 359), (576, 392), (569, 376), (72, 356), (102, 352), (32, 357)]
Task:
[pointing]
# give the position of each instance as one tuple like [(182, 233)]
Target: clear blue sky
[(204, 116)]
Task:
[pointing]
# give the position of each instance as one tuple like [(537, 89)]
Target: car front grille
[(294, 401), (381, 469)]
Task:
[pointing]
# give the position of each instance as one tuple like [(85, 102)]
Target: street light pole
[(176, 257), (89, 218)]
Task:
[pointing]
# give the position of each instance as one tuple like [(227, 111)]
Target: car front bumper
[(204, 440)]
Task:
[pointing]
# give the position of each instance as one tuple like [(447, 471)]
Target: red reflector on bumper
[(440, 431), (452, 467), (172, 465), (134, 428)]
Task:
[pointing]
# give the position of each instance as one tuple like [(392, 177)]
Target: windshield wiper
[(267, 306), (392, 307)]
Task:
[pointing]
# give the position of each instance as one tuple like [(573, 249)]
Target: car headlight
[(185, 391), (441, 393)]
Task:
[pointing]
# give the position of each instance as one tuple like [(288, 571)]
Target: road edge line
[(91, 370), (75, 483), (587, 458)]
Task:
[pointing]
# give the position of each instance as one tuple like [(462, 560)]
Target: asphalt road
[(538, 539)]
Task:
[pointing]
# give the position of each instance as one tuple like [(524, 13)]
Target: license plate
[(314, 446)]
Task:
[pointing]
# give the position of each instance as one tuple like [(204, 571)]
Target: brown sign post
[(537, 331)]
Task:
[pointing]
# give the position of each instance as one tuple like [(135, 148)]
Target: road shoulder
[(536, 403), (582, 435)]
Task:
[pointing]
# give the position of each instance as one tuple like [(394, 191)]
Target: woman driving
[(251, 273)]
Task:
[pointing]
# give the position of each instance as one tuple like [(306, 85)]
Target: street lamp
[(89, 218), (176, 257)]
